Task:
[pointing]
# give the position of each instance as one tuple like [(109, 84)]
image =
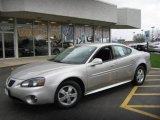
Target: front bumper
[(43, 94)]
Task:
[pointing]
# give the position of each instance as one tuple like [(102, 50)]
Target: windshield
[(75, 55)]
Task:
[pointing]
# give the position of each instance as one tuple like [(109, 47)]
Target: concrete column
[(33, 39), (3, 46), (102, 33), (110, 35), (74, 40), (15, 39), (49, 41), (94, 37)]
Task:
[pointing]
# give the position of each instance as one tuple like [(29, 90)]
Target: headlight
[(33, 82)]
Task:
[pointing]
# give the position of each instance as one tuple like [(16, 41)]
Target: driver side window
[(105, 54)]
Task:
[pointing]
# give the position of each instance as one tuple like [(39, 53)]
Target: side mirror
[(96, 61)]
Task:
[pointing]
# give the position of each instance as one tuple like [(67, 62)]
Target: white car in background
[(154, 47)]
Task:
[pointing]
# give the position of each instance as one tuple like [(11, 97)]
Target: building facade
[(38, 28)]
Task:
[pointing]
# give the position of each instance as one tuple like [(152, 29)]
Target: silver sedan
[(78, 71)]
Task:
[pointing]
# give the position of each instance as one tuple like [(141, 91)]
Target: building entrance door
[(6, 45)]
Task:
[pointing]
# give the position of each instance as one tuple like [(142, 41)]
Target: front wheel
[(68, 94), (56, 52), (139, 76)]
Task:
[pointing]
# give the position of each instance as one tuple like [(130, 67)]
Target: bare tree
[(139, 38)]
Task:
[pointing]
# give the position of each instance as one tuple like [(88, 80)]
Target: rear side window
[(121, 51)]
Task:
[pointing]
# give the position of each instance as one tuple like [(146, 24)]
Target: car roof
[(98, 45)]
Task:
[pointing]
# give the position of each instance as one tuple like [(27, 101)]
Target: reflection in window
[(55, 38), (98, 34), (6, 37), (67, 33), (89, 34), (9, 45), (6, 24), (40, 38), (105, 35), (25, 41), (79, 34)]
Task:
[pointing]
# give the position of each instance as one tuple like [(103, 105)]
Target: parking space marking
[(147, 94), (125, 104), (144, 106), (153, 75), (150, 80), (150, 86)]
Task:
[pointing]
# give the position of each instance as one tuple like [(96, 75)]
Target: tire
[(56, 52), (139, 76), (68, 94)]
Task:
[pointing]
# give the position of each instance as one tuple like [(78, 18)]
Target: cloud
[(149, 14)]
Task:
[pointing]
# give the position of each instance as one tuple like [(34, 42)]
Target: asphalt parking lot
[(124, 102)]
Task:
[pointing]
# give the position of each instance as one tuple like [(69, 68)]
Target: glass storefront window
[(25, 38), (105, 35), (89, 37), (98, 34), (55, 37), (1, 47), (79, 34), (6, 37), (6, 24), (40, 38), (9, 45)]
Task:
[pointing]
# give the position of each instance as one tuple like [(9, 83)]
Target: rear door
[(124, 63)]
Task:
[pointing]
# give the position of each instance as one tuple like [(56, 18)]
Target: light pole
[(142, 36), (142, 32), (133, 35), (152, 32)]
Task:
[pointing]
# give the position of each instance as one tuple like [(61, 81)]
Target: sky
[(150, 16)]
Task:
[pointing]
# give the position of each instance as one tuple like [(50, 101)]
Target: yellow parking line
[(150, 86), (131, 107), (144, 113), (124, 104), (147, 94), (144, 106), (150, 80), (153, 75)]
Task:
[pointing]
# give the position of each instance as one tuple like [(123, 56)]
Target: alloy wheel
[(140, 75), (67, 95)]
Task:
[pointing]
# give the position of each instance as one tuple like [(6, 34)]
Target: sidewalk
[(20, 61)]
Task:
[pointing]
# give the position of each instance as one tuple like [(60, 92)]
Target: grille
[(11, 82)]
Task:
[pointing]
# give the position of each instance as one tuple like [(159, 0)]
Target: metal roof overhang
[(55, 18)]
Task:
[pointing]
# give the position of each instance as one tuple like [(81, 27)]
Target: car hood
[(35, 69)]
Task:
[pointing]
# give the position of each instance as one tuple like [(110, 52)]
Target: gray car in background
[(154, 47), (77, 71)]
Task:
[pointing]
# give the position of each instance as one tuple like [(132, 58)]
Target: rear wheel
[(68, 94), (139, 76)]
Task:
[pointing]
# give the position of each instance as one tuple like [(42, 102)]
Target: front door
[(104, 74)]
